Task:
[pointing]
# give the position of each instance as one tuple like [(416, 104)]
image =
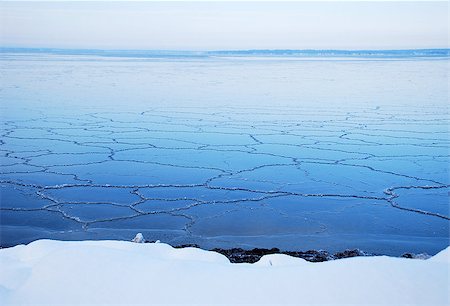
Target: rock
[(349, 253), (415, 256), (188, 245), (311, 255)]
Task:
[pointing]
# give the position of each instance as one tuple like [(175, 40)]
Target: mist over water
[(294, 152)]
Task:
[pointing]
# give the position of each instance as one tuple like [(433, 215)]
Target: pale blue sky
[(219, 25)]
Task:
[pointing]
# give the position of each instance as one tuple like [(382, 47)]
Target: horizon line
[(441, 53), (223, 50)]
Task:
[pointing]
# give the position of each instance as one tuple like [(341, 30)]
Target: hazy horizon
[(214, 50), (210, 26)]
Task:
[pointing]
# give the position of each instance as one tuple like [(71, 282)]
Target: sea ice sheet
[(297, 154)]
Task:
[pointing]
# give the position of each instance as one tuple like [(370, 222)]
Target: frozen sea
[(298, 152)]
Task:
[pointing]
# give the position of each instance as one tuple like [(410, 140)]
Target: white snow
[(51, 272), (139, 238)]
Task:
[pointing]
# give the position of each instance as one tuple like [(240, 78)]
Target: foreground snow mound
[(111, 272)]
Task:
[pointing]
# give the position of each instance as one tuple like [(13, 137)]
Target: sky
[(225, 25)]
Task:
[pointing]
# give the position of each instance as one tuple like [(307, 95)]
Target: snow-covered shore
[(48, 272)]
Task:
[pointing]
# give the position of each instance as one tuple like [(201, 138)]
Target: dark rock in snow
[(311, 255), (349, 253), (407, 255), (415, 256), (238, 255), (188, 245)]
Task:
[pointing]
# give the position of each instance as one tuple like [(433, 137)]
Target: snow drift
[(51, 272)]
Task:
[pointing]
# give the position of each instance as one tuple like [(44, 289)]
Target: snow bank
[(117, 272)]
